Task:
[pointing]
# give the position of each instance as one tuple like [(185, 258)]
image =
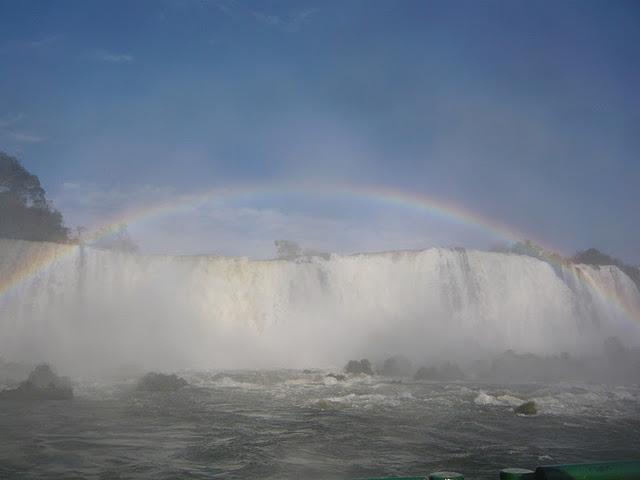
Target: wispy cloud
[(10, 120), (22, 46), (297, 20), (112, 57), (292, 22), (44, 41), (24, 137), (228, 7), (289, 22), (11, 131), (272, 20)]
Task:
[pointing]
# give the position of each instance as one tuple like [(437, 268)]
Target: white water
[(92, 308)]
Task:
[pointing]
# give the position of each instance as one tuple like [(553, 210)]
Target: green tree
[(25, 212), (593, 256), (119, 241)]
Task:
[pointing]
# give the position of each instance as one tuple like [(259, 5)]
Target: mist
[(95, 310)]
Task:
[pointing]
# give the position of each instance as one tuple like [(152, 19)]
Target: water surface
[(287, 424)]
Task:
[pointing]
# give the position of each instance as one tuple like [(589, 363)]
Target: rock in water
[(322, 404), (337, 376), (42, 384), (159, 382), (527, 408)]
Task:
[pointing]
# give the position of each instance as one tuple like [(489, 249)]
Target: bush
[(25, 212), (593, 256), (445, 373), (396, 366), (359, 367)]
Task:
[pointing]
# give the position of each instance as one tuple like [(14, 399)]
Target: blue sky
[(526, 112)]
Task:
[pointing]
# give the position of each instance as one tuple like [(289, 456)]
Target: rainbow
[(446, 210)]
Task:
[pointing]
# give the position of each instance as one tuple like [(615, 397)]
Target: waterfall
[(99, 307)]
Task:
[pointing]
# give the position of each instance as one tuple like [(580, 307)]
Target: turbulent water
[(286, 424), (112, 309)]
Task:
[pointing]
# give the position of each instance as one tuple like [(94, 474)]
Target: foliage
[(119, 241), (593, 256), (511, 366), (287, 248), (359, 367), (531, 249), (445, 373), (25, 212), (396, 366)]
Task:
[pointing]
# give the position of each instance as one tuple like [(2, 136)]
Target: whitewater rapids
[(114, 309)]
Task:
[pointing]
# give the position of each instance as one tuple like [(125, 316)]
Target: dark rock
[(42, 384), (359, 367), (159, 382), (337, 376), (527, 408)]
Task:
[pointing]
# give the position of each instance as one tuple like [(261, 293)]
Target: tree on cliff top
[(593, 256), (25, 212), (530, 249), (119, 241)]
